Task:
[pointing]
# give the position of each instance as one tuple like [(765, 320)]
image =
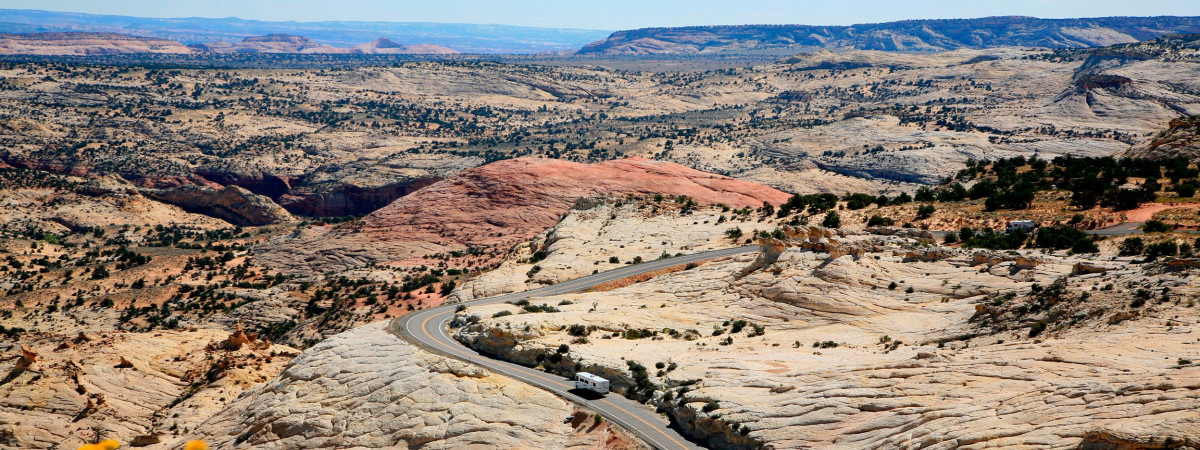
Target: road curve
[(428, 329)]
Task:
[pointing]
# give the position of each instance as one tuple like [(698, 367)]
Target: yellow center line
[(655, 427)]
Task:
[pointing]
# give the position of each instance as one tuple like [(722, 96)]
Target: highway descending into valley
[(427, 329)]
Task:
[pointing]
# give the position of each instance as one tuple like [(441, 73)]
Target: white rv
[(1022, 225), (584, 380)]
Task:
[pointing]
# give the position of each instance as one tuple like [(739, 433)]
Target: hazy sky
[(616, 14)]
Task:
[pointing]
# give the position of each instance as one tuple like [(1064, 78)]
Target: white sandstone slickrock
[(890, 367), (367, 388)]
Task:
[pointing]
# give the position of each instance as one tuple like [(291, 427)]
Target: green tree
[(99, 273), (832, 220), (1156, 226), (925, 211), (1132, 246)]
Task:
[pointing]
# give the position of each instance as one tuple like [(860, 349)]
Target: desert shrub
[(1132, 246), (737, 326), (859, 201), (832, 220), (997, 241), (925, 211), (1061, 237), (966, 233), (880, 221), (542, 308), (1037, 328), (1156, 226), (732, 233), (100, 273), (924, 194), (1160, 249), (952, 193), (1019, 196)]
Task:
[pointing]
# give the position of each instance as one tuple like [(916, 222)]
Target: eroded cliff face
[(348, 199), (367, 388), (231, 203), (868, 340)]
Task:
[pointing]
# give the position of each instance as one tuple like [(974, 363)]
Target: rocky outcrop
[(60, 389), (240, 338), (990, 258), (1181, 138), (230, 203), (930, 254), (367, 388), (108, 185), (1144, 436), (494, 207), (839, 242), (1084, 268)]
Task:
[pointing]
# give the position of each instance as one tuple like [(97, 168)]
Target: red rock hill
[(496, 206)]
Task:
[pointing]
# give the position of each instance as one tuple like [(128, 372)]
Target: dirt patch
[(1147, 211)]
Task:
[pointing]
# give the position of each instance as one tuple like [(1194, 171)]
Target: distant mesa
[(463, 37), (85, 44), (385, 46), (905, 36), (271, 43)]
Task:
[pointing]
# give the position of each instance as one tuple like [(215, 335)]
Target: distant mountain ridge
[(909, 35), (467, 38), (86, 44)]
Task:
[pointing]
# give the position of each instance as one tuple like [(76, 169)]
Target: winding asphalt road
[(428, 329)]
